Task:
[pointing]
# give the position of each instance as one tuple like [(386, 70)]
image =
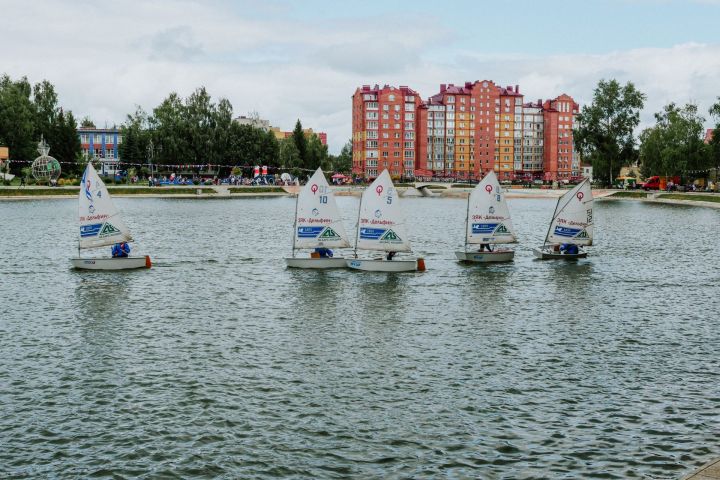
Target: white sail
[(573, 218), (318, 222), (100, 222), (381, 224), (488, 218)]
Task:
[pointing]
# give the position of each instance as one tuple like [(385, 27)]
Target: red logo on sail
[(379, 189), (580, 196), (314, 188), (488, 188)]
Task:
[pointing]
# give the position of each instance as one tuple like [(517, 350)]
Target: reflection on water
[(220, 361), (98, 294)]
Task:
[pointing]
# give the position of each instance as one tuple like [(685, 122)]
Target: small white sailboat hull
[(383, 265), (486, 257), (548, 253), (104, 263), (316, 263)]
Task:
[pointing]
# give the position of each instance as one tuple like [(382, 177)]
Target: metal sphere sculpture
[(45, 167)]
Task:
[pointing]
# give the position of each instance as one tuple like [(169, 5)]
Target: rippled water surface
[(220, 362)]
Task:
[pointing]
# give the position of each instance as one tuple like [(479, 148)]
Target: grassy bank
[(160, 190), (690, 197), (256, 190), (38, 192), (629, 195)]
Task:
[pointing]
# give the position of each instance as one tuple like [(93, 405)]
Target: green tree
[(714, 145), (194, 130), (47, 111), (17, 120), (298, 137), (220, 138), (87, 122), (605, 132), (170, 135), (317, 155), (674, 146), (67, 143), (343, 162), (136, 133), (290, 156), (270, 149)]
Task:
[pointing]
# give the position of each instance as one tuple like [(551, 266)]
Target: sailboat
[(100, 226), (572, 224), (487, 223), (381, 227), (317, 225)]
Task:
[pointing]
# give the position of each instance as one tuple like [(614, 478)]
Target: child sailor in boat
[(324, 252), (569, 248), (120, 250), (484, 247)]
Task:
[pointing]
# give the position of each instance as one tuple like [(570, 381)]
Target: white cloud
[(106, 58)]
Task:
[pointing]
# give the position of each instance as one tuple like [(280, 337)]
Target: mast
[(467, 219), (357, 232), (294, 233), (551, 221)]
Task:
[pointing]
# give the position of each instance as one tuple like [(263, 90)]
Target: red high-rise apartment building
[(384, 130), (508, 134), (560, 160), (457, 131), (463, 132), (444, 133), (486, 108)]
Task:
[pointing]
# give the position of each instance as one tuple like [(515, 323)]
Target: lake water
[(220, 362)]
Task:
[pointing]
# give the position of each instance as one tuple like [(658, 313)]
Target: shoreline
[(223, 192), (653, 198)]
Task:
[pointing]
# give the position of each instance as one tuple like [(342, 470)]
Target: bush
[(630, 194), (256, 190), (691, 197)]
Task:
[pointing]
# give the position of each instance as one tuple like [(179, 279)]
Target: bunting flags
[(163, 166)]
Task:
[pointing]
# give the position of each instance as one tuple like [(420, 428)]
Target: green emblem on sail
[(501, 229), (390, 236), (107, 230), (329, 234), (582, 234)]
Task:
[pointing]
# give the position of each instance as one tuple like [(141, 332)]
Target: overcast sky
[(303, 59)]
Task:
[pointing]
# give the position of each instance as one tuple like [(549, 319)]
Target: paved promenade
[(711, 471)]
